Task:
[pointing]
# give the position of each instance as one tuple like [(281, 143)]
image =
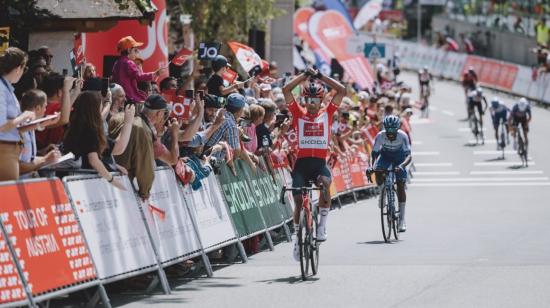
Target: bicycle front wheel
[(385, 216), (303, 235), (314, 246)]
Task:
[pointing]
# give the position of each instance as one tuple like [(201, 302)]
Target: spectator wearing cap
[(139, 156), (215, 83), (60, 100), (127, 74), (229, 130)]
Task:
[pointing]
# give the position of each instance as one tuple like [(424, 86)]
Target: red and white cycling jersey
[(313, 130)]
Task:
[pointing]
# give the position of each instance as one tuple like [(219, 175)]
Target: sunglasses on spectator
[(313, 100)]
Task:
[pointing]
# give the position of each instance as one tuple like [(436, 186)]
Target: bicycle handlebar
[(301, 189)]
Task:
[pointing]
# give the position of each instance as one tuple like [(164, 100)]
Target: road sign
[(356, 43), (375, 51)]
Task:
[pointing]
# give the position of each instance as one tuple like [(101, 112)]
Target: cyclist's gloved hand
[(398, 169), (369, 171)]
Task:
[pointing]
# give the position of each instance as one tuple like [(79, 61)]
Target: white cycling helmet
[(495, 102), (523, 104)]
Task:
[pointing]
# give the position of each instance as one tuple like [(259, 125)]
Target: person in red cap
[(127, 74)]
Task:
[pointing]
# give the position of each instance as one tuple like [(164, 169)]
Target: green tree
[(224, 20)]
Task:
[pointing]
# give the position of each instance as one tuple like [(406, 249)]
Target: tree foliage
[(223, 20)]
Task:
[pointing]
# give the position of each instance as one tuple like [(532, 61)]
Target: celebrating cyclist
[(392, 150), (499, 113), (521, 114), (424, 78), (313, 126)]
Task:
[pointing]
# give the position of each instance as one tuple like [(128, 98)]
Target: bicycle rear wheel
[(314, 246), (304, 249), (385, 217), (522, 152)]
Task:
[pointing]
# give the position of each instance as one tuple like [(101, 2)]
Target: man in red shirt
[(313, 126)]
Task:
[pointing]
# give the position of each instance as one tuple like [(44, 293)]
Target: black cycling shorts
[(473, 104), (308, 169), (516, 121)]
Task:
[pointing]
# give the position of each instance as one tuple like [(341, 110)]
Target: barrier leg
[(242, 252), (92, 302), (99, 294), (269, 240), (152, 285), (207, 265), (354, 196)]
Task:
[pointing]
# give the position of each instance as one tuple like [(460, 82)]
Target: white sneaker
[(402, 226), (321, 233), (296, 249)]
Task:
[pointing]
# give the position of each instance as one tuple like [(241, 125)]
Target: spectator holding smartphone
[(127, 74)]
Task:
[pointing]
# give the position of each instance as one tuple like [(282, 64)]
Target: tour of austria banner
[(330, 31), (171, 226), (301, 29), (208, 207), (43, 230), (112, 223)]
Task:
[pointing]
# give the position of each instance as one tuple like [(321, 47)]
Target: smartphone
[(201, 94), (280, 118), (104, 86), (128, 102)]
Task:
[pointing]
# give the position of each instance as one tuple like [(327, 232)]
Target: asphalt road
[(477, 235)]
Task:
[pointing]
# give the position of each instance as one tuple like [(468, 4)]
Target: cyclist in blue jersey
[(520, 115), (392, 150), (499, 113)]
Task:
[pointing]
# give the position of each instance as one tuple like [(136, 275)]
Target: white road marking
[(474, 179), (517, 172), (433, 108), (487, 141), (433, 164), (420, 121), (447, 112), (500, 163), (493, 152), (426, 153), (530, 184), (436, 173), (468, 130), (417, 142)]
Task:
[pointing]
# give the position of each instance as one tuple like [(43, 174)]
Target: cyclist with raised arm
[(313, 127), (520, 115), (424, 79), (392, 150), (499, 113)]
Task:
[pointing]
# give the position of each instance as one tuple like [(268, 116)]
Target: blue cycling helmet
[(495, 102), (392, 124)]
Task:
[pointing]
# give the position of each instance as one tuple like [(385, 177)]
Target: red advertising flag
[(247, 57), (229, 76), (183, 55), (78, 49), (46, 236)]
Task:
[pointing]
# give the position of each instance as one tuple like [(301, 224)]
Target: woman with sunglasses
[(312, 125)]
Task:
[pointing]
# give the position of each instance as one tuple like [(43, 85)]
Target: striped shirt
[(228, 131), (9, 110)]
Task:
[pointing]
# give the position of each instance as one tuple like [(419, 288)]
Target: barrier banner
[(112, 223), (357, 179), (11, 286), (265, 191), (169, 221), (287, 179), (346, 171), (242, 206), (524, 81), (507, 76), (46, 237), (337, 177), (287, 207), (489, 72), (208, 207)]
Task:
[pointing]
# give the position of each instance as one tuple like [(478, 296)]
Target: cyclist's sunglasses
[(313, 100)]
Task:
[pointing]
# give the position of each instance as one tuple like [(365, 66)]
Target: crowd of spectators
[(140, 122)]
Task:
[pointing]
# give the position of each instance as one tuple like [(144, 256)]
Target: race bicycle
[(502, 136), (307, 231), (476, 126), (425, 109), (522, 147), (389, 213)]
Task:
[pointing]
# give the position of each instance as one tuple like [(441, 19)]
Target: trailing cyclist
[(476, 100), (312, 125), (424, 79), (521, 114), (499, 114), (392, 150), (469, 83)]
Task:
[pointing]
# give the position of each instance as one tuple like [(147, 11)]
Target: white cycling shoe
[(296, 249), (321, 234), (402, 226)]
